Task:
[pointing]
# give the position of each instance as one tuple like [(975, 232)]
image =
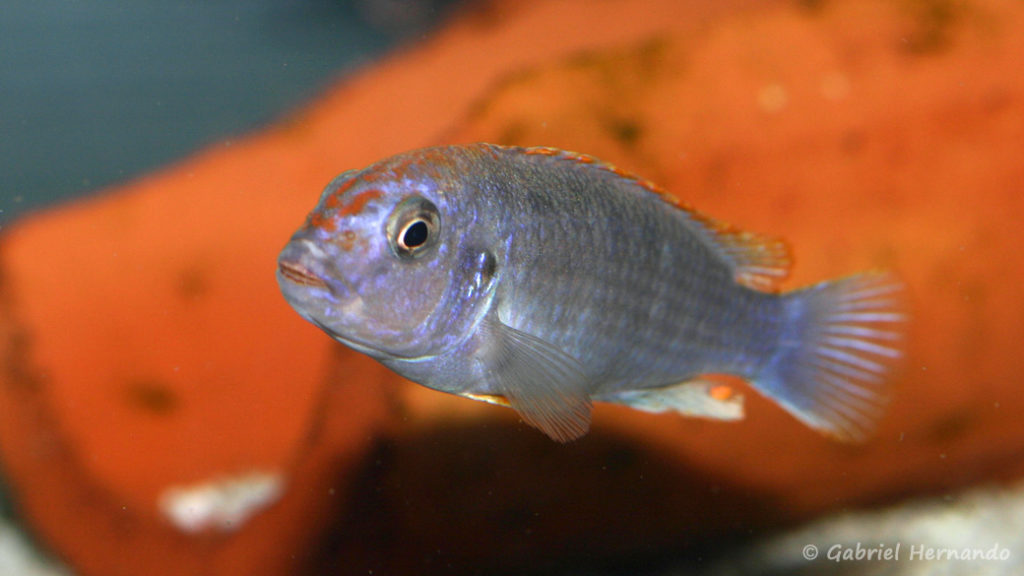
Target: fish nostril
[(301, 275), (346, 240)]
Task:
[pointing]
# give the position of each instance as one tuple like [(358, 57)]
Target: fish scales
[(546, 280), (608, 251)]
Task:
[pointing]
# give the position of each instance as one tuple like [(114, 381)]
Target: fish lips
[(306, 287), (296, 273), (300, 269)]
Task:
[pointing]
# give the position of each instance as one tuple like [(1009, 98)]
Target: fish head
[(376, 265)]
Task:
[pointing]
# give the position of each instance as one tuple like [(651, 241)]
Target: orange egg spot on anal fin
[(721, 392)]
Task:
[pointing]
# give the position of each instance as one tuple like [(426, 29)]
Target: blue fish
[(546, 280)]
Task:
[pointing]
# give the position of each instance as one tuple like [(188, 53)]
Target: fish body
[(546, 280)]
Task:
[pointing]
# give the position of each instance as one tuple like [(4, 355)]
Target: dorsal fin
[(758, 262)]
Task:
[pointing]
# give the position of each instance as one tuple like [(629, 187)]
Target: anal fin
[(495, 399), (696, 398)]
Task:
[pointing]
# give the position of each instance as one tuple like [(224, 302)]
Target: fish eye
[(412, 227), (414, 234)]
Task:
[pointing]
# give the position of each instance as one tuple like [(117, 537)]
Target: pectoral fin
[(698, 398), (546, 386)]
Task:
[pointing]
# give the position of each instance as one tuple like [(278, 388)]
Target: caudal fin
[(835, 354)]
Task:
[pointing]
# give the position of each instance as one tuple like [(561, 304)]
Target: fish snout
[(296, 265)]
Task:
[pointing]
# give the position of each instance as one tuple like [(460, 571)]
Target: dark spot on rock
[(998, 101), (811, 5), (192, 283), (625, 131), (15, 345), (513, 134), (853, 142), (152, 396), (932, 25), (952, 426), (15, 356), (718, 170)]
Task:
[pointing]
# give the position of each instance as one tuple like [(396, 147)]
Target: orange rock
[(150, 350), (146, 346), (868, 136)]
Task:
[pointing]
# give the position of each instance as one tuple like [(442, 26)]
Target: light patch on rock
[(17, 555), (976, 533), (223, 504)]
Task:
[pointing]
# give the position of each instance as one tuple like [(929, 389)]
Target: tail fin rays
[(841, 341)]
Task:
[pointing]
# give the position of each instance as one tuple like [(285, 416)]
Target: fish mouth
[(299, 274)]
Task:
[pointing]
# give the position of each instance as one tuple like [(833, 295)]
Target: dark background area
[(94, 92)]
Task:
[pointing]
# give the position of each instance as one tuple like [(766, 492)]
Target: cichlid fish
[(546, 280)]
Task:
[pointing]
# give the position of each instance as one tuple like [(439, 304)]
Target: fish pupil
[(415, 234), (412, 228)]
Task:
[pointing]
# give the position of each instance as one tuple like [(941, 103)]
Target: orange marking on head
[(346, 185), (334, 199), (356, 204), (547, 151), (318, 220), (372, 176), (721, 392)]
